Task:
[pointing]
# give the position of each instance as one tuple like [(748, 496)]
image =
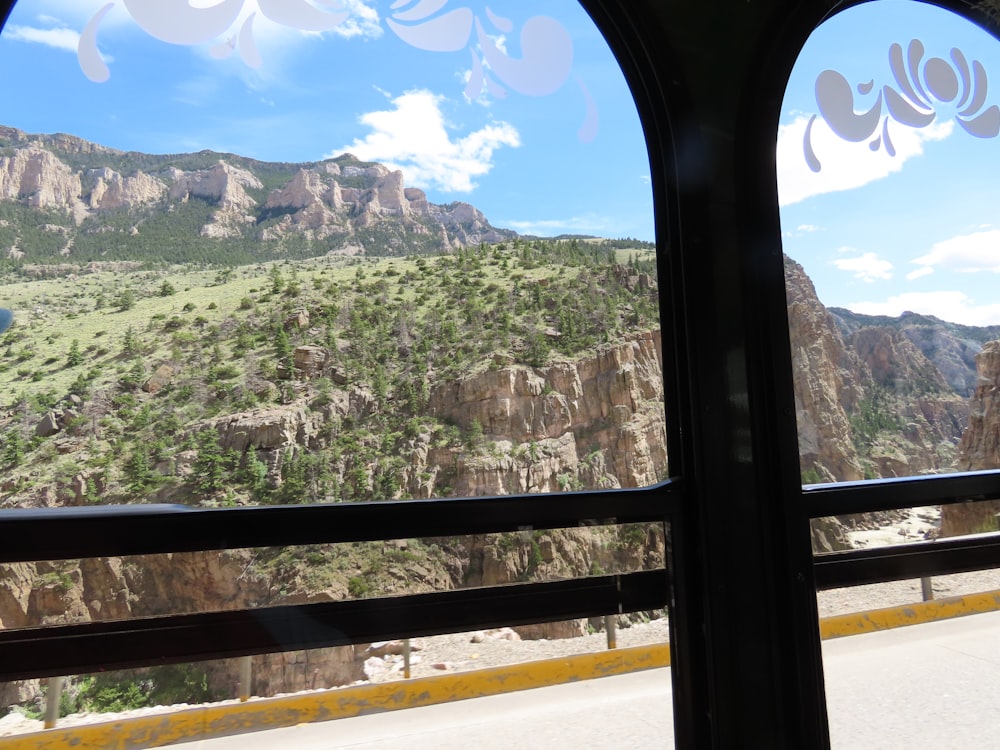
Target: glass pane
[(886, 156), (55, 592), (48, 593), (242, 272), (492, 668), (930, 685)]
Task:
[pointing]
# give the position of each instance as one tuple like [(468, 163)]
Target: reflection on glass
[(884, 158)]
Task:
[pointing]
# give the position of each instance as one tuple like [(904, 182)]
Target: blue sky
[(916, 231), (548, 143)]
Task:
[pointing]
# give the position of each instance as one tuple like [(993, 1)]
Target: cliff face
[(828, 379), (597, 422), (343, 202), (950, 347), (980, 446), (869, 401)]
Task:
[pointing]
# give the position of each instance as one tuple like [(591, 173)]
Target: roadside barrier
[(254, 714)]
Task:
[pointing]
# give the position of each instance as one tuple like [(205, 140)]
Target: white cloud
[(955, 307), (596, 225), (868, 267), (968, 253), (802, 230), (845, 165), (414, 138), (925, 271), (59, 38), (364, 21)]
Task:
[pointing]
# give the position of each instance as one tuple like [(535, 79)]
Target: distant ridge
[(65, 199)]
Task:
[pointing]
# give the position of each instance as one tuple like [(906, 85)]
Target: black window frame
[(708, 81)]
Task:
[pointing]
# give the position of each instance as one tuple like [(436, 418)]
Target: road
[(927, 686)]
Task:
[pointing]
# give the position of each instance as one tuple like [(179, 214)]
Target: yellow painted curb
[(912, 614), (270, 713)]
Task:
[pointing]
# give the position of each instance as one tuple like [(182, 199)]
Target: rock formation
[(342, 203), (828, 379), (980, 447)]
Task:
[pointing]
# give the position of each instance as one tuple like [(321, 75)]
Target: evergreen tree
[(13, 448), (125, 300), (210, 464), (130, 344), (74, 358), (138, 472)]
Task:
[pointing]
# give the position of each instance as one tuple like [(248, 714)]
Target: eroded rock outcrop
[(349, 205), (110, 190), (980, 446), (35, 177), (828, 380), (541, 425)]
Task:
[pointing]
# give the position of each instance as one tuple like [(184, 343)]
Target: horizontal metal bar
[(902, 561), (116, 530), (843, 498), (100, 646)]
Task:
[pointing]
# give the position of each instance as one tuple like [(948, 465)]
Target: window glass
[(886, 154), (264, 252), (886, 151), (258, 252)]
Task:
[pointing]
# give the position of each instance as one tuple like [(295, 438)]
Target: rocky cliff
[(870, 402), (593, 422), (597, 422), (950, 347), (829, 381), (980, 446), (336, 205)]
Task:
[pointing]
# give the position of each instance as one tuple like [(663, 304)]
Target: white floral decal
[(544, 66), (912, 102)]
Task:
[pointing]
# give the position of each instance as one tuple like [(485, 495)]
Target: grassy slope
[(390, 323)]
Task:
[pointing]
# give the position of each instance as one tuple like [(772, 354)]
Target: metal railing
[(106, 531)]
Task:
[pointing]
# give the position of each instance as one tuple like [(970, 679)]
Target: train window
[(242, 272), (885, 155), (269, 253)]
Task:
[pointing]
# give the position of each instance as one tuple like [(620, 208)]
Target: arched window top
[(466, 98), (887, 154)]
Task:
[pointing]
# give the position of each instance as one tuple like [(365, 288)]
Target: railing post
[(406, 658), (246, 677), (610, 628), (926, 589), (52, 696)]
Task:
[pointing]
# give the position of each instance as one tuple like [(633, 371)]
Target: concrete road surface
[(926, 686)]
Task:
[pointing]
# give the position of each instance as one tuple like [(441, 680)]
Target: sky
[(918, 230), (520, 109)]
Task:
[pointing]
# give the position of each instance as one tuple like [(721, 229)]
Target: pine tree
[(74, 358), (210, 464), (13, 448)]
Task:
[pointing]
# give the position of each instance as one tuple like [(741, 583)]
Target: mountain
[(64, 198), (869, 402), (950, 347)]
